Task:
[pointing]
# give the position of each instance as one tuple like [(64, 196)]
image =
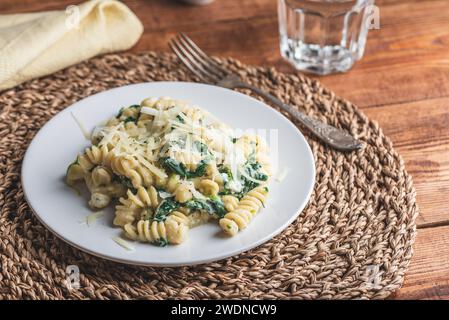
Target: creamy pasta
[(170, 167)]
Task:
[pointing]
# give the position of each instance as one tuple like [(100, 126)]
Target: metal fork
[(210, 71)]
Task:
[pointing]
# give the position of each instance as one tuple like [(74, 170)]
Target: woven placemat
[(353, 240)]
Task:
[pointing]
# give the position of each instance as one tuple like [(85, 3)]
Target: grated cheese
[(164, 194), (81, 126), (235, 185), (190, 186), (91, 218), (150, 111), (159, 172), (123, 243)]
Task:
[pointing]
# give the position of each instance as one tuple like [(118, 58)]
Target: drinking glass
[(323, 36)]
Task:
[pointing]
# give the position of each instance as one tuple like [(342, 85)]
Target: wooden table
[(402, 82)]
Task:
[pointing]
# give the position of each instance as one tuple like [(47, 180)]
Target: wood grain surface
[(402, 82)]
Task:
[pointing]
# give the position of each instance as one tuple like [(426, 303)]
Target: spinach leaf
[(180, 119), (120, 112), (218, 206), (168, 205), (213, 205), (225, 192), (226, 176), (200, 169), (197, 204), (130, 119), (161, 242), (175, 166), (226, 171), (172, 165), (252, 169), (201, 148), (126, 182)]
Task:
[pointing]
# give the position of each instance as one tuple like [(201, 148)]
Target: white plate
[(61, 210)]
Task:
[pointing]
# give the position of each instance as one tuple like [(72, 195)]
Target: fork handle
[(336, 138)]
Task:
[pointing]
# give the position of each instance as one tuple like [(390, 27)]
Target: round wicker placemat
[(353, 240)]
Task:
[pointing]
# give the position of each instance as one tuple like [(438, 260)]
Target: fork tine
[(206, 62), (186, 62), (203, 54), (196, 64)]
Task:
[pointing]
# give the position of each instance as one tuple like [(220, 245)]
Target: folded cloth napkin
[(36, 44)]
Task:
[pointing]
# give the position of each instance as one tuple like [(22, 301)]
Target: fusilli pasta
[(160, 233), (249, 205), (173, 167)]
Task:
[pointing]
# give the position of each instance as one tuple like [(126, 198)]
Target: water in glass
[(323, 36)]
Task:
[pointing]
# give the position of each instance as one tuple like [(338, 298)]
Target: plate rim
[(193, 262)]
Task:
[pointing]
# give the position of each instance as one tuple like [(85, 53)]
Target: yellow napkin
[(36, 44)]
